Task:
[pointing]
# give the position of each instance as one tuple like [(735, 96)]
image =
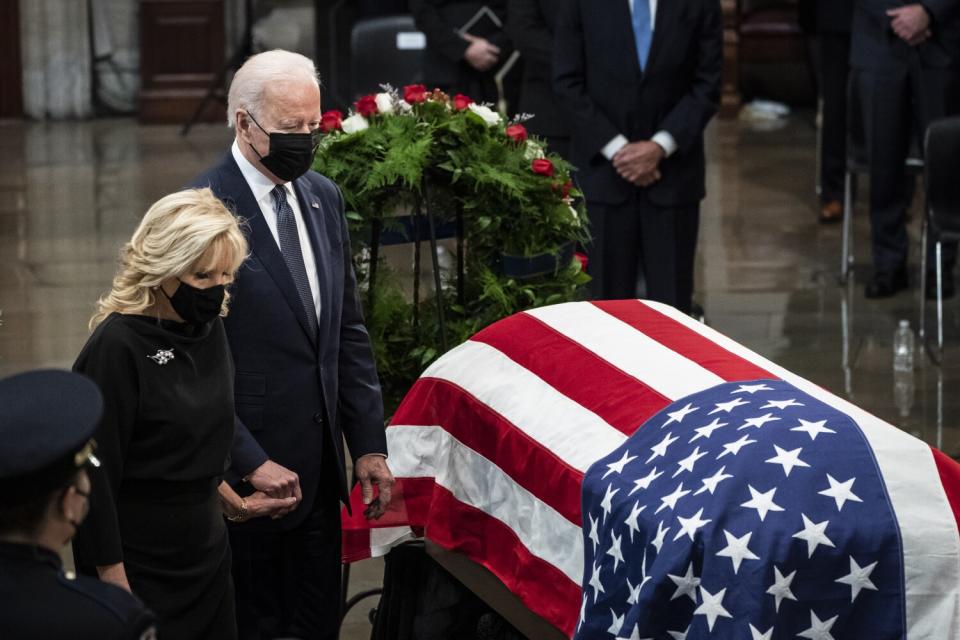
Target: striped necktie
[(292, 253)]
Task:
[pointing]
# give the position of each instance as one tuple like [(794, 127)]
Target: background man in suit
[(465, 64), (831, 21), (531, 24), (907, 58), (305, 375), (641, 80)]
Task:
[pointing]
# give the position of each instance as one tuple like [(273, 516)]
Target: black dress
[(163, 443)]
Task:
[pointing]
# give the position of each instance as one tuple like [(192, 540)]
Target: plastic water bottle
[(903, 347)]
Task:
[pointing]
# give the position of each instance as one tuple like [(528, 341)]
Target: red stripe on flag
[(683, 340), (949, 472), (620, 399), (438, 402), (542, 587)]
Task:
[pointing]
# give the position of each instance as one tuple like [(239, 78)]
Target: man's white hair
[(246, 89)]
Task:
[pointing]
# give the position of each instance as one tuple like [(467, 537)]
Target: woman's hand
[(114, 574), (256, 505)]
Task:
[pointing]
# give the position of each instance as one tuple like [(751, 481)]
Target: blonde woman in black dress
[(160, 356)]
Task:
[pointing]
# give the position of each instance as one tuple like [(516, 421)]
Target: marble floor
[(72, 192)]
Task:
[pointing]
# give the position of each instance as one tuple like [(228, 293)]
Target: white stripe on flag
[(383, 539), (474, 480), (928, 528), (656, 366), (570, 431)]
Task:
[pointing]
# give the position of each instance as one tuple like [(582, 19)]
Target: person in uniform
[(47, 421)]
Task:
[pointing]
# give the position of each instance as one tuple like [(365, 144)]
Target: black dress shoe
[(885, 286), (948, 287)]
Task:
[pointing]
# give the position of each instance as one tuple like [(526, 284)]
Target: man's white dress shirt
[(261, 186)]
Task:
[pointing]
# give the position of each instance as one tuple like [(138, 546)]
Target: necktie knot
[(279, 196)]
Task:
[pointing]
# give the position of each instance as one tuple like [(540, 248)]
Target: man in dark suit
[(831, 20), (466, 63), (641, 80), (305, 376), (531, 24), (907, 58)]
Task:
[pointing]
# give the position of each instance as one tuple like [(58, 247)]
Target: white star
[(840, 491), (583, 609), (751, 388), (762, 502), (813, 534), (858, 578), (728, 406), (687, 463), (690, 525), (757, 422), (660, 449), (617, 622), (737, 550), (686, 585), (679, 635), (813, 428), (711, 605), (595, 583), (644, 482), (671, 500), (614, 550), (756, 635), (661, 534), (787, 459), (631, 520), (619, 464), (634, 635), (782, 404), (593, 532), (707, 430), (607, 503), (710, 484), (819, 629), (734, 447), (781, 588), (634, 596), (680, 414)]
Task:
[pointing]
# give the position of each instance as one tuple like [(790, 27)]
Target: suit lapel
[(662, 26), (619, 16), (262, 243), (315, 211)]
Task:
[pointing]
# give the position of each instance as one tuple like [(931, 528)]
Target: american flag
[(722, 495)]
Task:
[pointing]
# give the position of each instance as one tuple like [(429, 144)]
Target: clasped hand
[(911, 23), (639, 162), (278, 490)]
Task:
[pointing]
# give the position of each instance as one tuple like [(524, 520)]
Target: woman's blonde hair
[(170, 241)]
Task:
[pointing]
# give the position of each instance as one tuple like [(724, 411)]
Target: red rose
[(582, 259), (331, 121), (366, 106), (461, 102), (414, 93), (565, 189), (543, 167), (517, 133)]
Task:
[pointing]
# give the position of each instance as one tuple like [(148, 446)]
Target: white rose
[(384, 103), (405, 107), (488, 115), (354, 123), (573, 212), (533, 151)]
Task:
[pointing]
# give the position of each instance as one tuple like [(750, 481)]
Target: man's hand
[(372, 470), (911, 23), (481, 54), (638, 162), (260, 504), (275, 481)]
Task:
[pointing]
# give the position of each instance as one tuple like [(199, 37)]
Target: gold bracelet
[(241, 513)]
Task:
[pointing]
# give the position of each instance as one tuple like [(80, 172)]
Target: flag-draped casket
[(629, 473)]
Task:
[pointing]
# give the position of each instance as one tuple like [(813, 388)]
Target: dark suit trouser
[(288, 583), (638, 235), (834, 71), (899, 104)]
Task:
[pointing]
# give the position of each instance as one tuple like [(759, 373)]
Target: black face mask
[(196, 306), (291, 154)]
